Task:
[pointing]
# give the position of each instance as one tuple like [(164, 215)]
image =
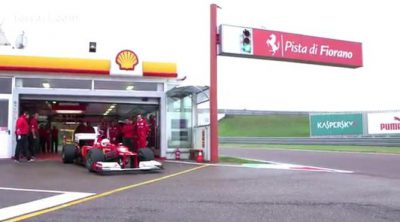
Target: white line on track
[(317, 151), (36, 205), (271, 165), (33, 190)]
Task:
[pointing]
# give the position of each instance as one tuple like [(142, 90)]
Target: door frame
[(10, 126), (99, 94)]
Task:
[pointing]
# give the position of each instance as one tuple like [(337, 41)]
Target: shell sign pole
[(275, 45)]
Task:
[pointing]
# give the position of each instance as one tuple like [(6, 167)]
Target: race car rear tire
[(68, 153), (94, 155), (146, 154)]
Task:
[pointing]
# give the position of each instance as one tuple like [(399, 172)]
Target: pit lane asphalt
[(214, 194)]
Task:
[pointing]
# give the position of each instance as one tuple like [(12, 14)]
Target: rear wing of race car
[(85, 136)]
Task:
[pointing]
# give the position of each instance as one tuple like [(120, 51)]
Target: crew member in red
[(22, 132), (34, 135), (153, 131), (113, 133), (54, 139), (141, 129), (128, 134)]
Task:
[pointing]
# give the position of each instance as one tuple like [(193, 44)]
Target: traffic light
[(92, 46), (246, 41)]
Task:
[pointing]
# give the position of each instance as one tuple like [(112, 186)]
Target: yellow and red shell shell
[(127, 60)]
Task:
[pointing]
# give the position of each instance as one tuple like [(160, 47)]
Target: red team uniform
[(141, 128)]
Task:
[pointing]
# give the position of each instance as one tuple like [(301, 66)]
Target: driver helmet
[(105, 142)]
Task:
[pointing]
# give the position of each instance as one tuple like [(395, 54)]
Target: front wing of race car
[(108, 167)]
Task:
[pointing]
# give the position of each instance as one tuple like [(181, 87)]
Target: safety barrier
[(362, 141)]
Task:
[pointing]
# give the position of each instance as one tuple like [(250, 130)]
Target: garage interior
[(65, 112)]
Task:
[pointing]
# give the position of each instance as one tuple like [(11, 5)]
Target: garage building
[(65, 91)]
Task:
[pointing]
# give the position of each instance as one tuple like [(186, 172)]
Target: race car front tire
[(68, 153), (94, 155), (146, 154)]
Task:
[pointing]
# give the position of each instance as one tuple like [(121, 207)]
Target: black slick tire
[(94, 155), (68, 153), (146, 154)]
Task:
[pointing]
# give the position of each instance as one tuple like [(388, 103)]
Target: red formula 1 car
[(101, 156)]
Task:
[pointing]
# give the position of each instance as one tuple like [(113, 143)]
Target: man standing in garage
[(128, 134), (153, 131), (54, 139), (34, 136), (113, 133), (22, 132), (42, 138), (141, 129)]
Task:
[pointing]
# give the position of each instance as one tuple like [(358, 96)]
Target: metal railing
[(361, 141)]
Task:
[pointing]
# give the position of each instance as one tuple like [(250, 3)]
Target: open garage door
[(66, 112)]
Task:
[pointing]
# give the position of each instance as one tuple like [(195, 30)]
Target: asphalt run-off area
[(290, 186)]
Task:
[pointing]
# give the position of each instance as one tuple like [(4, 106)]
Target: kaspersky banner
[(384, 123), (336, 124), (275, 45)]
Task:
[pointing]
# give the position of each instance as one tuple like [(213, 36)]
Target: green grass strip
[(264, 126), (368, 149)]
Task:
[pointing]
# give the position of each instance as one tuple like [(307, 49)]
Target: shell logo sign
[(126, 60)]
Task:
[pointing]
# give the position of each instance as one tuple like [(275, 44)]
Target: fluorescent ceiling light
[(130, 87), (112, 106), (46, 85), (68, 104), (71, 123), (60, 111)]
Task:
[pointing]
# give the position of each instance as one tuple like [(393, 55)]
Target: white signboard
[(384, 123)]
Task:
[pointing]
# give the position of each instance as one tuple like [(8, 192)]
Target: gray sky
[(178, 31)]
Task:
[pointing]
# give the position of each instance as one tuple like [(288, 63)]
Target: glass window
[(5, 85), (56, 83), (126, 85), (3, 114), (179, 122)]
